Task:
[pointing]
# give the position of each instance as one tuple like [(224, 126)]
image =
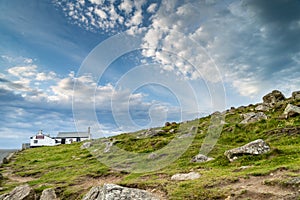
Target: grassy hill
[(72, 171)]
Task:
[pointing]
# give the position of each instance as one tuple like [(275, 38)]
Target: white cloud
[(152, 8), (127, 6)]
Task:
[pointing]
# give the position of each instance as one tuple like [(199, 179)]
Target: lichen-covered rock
[(253, 148), (253, 117), (113, 192), (22, 192), (187, 176), (201, 158), (48, 194), (296, 95), (291, 110)]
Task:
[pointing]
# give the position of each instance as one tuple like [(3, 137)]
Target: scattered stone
[(152, 156), (253, 148), (108, 144), (86, 145), (22, 192), (193, 128), (151, 132), (201, 158), (172, 130), (113, 192), (294, 181), (285, 130), (48, 194), (183, 177), (186, 135), (262, 107), (241, 168), (253, 117), (274, 97), (291, 111), (296, 95)]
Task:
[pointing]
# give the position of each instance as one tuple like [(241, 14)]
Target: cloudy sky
[(122, 65)]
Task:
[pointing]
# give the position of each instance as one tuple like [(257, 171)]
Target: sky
[(122, 65)]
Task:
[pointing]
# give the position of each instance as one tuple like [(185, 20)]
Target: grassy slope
[(67, 167)]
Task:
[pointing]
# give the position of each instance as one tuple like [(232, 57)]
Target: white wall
[(47, 141)]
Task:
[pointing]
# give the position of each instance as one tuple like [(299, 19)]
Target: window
[(35, 141)]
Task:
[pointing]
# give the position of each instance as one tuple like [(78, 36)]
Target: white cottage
[(41, 139), (70, 137)]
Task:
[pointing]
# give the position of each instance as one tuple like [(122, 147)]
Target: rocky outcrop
[(262, 107), (296, 95), (253, 148), (113, 192), (253, 117), (86, 145), (291, 111), (201, 158), (48, 194), (274, 97), (22, 192), (184, 177)]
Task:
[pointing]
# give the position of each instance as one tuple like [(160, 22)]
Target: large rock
[(296, 95), (253, 117), (184, 177), (201, 158), (253, 148), (48, 194), (22, 192), (113, 192), (273, 97), (291, 110)]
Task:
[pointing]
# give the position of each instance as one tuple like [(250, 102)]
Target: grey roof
[(72, 134)]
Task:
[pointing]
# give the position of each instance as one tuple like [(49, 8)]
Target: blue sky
[(123, 65)]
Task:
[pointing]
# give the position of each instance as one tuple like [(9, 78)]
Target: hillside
[(275, 174)]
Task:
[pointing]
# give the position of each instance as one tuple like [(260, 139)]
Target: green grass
[(64, 167)]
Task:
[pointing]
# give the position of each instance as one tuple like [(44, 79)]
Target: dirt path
[(257, 187)]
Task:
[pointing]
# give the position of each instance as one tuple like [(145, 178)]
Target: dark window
[(63, 140), (35, 141), (78, 139)]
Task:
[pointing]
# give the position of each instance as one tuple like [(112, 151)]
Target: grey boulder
[(201, 158), (253, 148), (48, 194), (22, 192), (253, 117), (185, 176), (113, 192), (290, 110)]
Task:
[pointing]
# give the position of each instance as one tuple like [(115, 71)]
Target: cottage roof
[(72, 135)]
